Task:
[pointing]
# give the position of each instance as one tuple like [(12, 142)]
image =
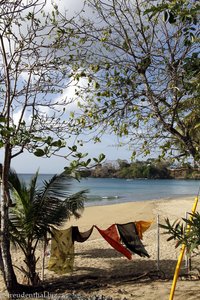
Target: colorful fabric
[(130, 238), (112, 237), (62, 252), (80, 237), (141, 227)]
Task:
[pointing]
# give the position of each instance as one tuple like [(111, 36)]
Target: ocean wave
[(110, 197)]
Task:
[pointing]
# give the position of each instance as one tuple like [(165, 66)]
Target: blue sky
[(28, 163)]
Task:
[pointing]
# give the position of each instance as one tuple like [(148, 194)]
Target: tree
[(123, 163), (36, 210), (186, 12), (33, 66), (141, 66)]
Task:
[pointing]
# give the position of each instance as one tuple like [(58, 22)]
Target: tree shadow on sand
[(119, 273), (99, 253), (117, 264)]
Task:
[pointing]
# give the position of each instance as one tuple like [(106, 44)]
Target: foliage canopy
[(140, 63)]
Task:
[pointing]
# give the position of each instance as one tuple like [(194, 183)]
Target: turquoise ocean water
[(102, 191)]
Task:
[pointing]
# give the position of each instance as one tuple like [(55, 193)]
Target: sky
[(28, 163)]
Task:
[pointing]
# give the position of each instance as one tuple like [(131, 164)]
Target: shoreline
[(101, 265), (148, 210), (113, 201)]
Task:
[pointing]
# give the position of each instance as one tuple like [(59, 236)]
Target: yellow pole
[(178, 265)]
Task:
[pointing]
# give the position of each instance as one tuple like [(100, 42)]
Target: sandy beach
[(101, 270)]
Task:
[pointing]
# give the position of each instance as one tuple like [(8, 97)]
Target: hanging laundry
[(142, 226), (112, 237), (62, 252), (80, 237), (130, 238)]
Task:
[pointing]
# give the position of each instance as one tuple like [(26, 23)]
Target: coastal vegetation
[(149, 169)]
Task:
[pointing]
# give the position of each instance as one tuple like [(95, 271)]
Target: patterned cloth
[(62, 252)]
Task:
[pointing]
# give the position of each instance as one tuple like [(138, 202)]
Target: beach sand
[(101, 270)]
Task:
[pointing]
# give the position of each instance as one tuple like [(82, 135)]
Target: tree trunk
[(13, 287), (33, 277), (8, 271)]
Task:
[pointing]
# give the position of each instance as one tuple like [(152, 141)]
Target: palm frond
[(16, 184), (75, 203), (33, 186), (54, 211), (38, 209), (58, 186), (16, 236)]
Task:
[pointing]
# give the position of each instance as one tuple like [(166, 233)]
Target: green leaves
[(39, 152), (58, 144), (169, 17), (49, 146), (73, 148), (175, 12), (101, 158), (2, 119), (96, 85), (187, 232), (79, 164), (176, 230), (125, 45)]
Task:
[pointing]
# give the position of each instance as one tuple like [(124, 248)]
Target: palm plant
[(35, 211), (186, 232)]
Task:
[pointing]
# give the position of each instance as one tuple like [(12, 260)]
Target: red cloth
[(112, 237)]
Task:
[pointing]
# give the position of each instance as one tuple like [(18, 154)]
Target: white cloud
[(70, 94), (70, 7), (17, 115)]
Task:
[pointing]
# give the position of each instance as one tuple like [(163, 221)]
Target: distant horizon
[(61, 169)]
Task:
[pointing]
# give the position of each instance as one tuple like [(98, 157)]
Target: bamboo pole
[(180, 258)]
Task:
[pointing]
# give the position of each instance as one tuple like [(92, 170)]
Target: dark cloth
[(80, 237), (130, 238), (112, 237)]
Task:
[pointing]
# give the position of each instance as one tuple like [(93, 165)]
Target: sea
[(104, 191)]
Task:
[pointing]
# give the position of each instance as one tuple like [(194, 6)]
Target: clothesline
[(125, 238)]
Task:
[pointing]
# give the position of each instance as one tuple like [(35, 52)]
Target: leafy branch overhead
[(78, 164), (33, 68), (140, 67)]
